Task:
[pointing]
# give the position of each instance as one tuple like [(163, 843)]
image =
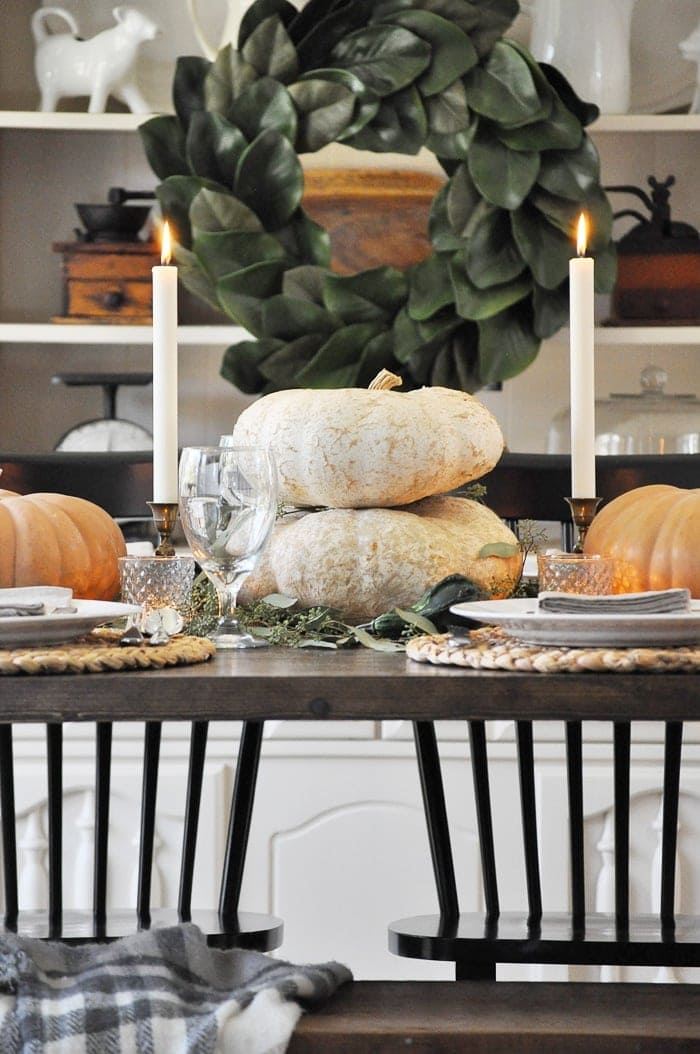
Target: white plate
[(59, 628), (521, 618)]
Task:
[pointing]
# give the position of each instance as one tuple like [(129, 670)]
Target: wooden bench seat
[(502, 1017)]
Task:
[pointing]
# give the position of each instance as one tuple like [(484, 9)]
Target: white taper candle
[(165, 429), (582, 366)]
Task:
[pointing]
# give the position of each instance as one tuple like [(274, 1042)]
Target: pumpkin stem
[(384, 381)]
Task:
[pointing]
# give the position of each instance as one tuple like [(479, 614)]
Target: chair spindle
[(239, 820), (54, 753), (151, 757), (526, 770), (574, 775), (436, 818), (621, 754), (103, 776), (195, 777), (484, 817), (669, 834), (9, 829)]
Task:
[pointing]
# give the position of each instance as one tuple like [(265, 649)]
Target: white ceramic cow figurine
[(690, 50), (65, 65)]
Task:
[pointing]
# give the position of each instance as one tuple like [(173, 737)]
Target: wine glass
[(228, 505)]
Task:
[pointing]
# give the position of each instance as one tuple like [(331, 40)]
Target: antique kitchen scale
[(107, 279)]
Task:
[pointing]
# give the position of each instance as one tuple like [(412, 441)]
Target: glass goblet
[(228, 505)]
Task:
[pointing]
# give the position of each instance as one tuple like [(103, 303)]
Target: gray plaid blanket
[(157, 992)]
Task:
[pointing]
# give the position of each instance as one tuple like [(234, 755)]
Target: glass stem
[(228, 599)]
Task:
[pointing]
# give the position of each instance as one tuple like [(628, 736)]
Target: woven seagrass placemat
[(100, 652), (490, 648)]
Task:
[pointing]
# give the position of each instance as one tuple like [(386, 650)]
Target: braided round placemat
[(100, 652), (490, 648)]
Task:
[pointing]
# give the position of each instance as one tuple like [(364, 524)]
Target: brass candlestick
[(582, 512), (164, 518)]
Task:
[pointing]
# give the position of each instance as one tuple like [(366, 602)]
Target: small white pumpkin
[(366, 561), (371, 447)]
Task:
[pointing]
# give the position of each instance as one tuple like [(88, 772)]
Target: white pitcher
[(229, 33), (589, 42)]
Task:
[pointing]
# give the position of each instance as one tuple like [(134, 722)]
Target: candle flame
[(166, 250), (582, 234)]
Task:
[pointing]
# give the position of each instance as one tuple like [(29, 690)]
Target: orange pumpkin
[(654, 534), (58, 540)]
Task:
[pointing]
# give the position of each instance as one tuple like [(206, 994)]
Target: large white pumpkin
[(366, 561), (364, 448)]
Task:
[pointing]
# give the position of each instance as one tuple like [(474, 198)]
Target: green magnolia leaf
[(385, 58), (188, 87), (442, 235), (336, 364), (448, 112), (584, 112), (242, 294), (269, 179), (502, 176), (215, 210), (507, 344), (551, 309), (195, 280), (474, 303), (560, 131), (370, 296), (452, 52), (377, 355), (495, 17), (305, 283), (431, 288), (305, 241), (288, 319), (605, 269), (503, 88), (221, 252), (290, 359), (164, 143), (259, 11), (544, 248), (564, 213), (491, 255), (240, 364), (176, 195), (571, 174), (228, 77), (265, 106), (329, 28), (504, 549), (326, 111), (271, 52), (398, 124), (214, 147), (462, 201)]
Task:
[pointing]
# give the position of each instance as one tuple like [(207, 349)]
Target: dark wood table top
[(353, 684)]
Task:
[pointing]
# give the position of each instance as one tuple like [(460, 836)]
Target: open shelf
[(49, 333)]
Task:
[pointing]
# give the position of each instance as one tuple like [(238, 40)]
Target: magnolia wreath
[(379, 75)]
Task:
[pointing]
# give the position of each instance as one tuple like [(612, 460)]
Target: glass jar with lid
[(645, 422)]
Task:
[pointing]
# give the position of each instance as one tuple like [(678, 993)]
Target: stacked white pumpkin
[(373, 467)]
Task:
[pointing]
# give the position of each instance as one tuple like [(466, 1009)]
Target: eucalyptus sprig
[(380, 75)]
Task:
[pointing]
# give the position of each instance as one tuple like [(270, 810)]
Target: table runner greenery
[(380, 75)]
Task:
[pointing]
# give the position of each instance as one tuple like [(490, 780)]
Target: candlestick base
[(164, 519), (582, 512)]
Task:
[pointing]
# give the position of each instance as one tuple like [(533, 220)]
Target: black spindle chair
[(224, 925), (526, 486)]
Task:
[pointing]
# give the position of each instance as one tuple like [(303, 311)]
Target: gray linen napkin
[(653, 602), (34, 600)]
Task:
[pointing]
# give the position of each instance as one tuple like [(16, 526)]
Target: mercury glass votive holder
[(162, 587), (575, 573)]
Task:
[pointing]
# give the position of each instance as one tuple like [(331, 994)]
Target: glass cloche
[(644, 422)]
